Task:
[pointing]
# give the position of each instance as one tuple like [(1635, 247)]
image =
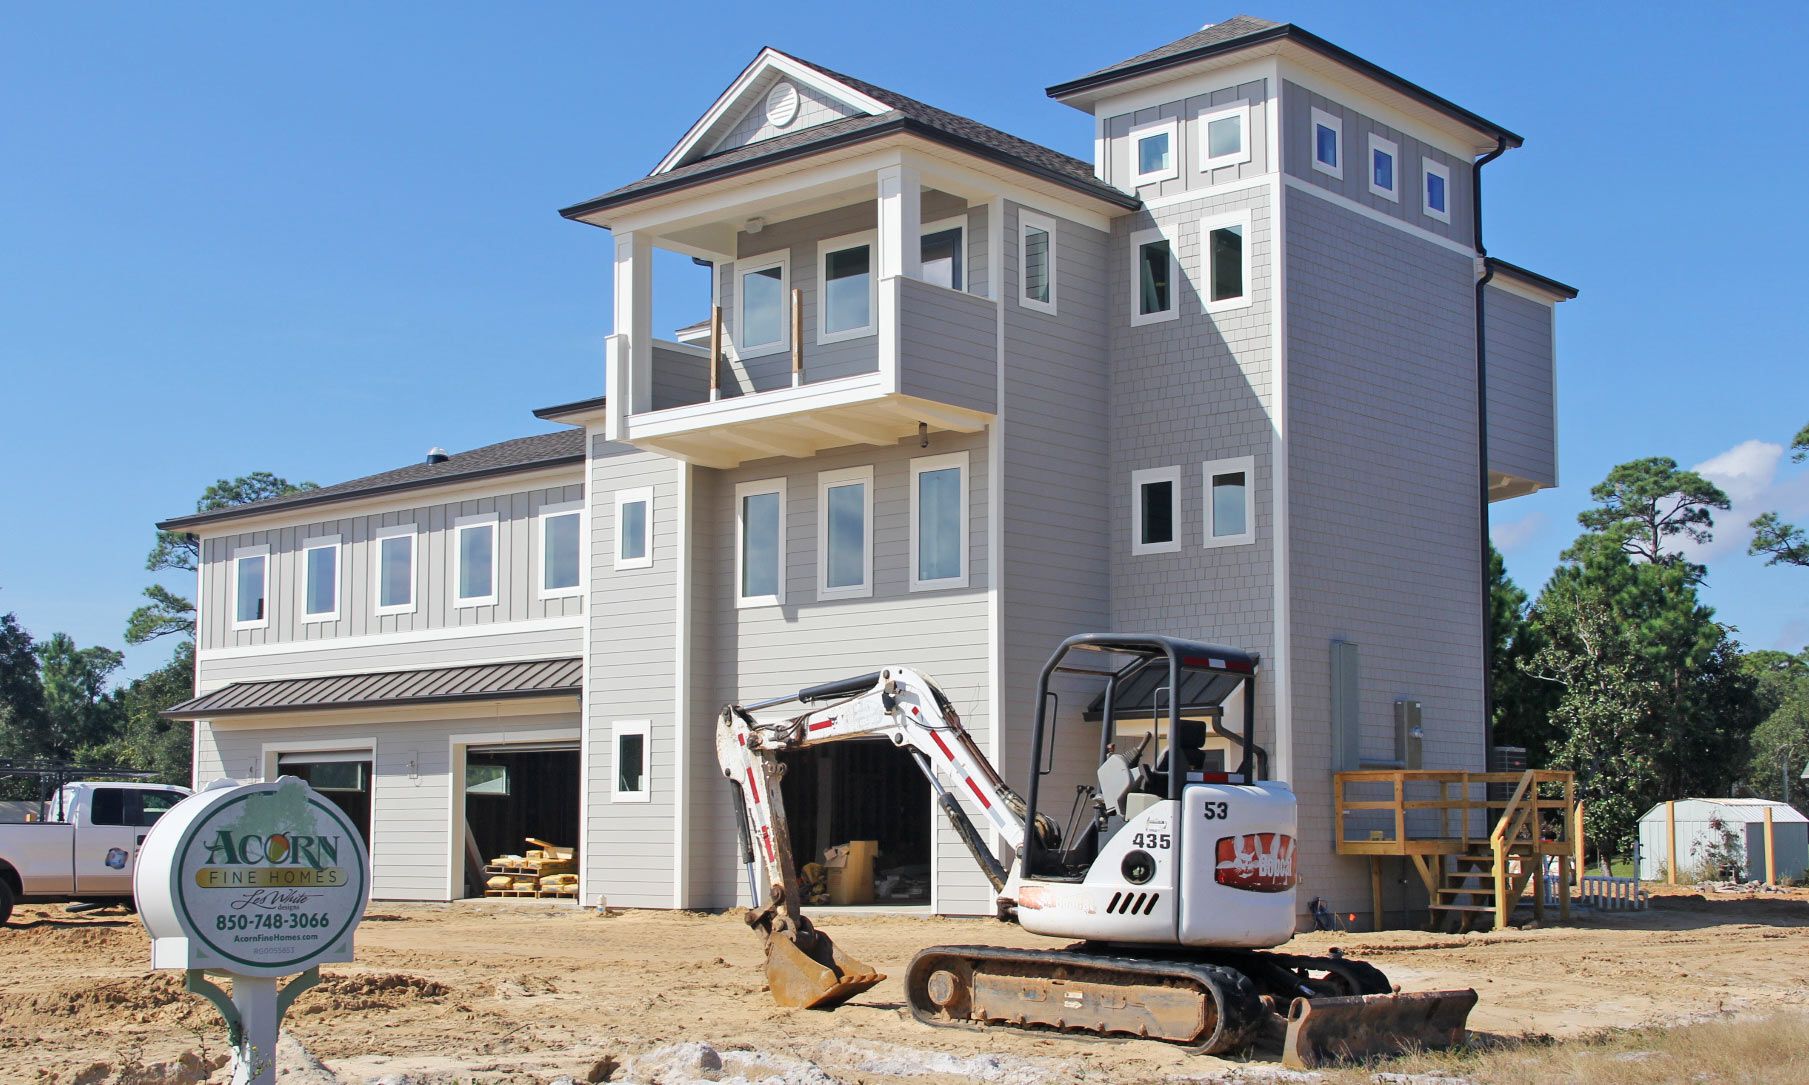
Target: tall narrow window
[(629, 739), (320, 579), (760, 542), (942, 254), (1328, 139), (1229, 493), (1036, 261), (845, 309), (1438, 190), (761, 304), (1224, 136), (250, 587), (474, 560), (1383, 154), (395, 569), (1227, 257), (1154, 151), (939, 522), (844, 533), (1154, 272), (561, 547), (1154, 493), (634, 528)]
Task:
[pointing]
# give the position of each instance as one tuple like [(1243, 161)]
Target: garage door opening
[(862, 791), (514, 793), (343, 778)]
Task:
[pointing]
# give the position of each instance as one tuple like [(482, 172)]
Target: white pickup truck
[(83, 845)]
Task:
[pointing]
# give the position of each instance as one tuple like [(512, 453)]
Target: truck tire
[(6, 902)]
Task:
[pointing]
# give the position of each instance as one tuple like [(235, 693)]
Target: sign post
[(256, 882)]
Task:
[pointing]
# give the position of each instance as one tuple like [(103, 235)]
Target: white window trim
[(1336, 124), (1393, 150), (939, 463), (959, 222), (623, 499), (412, 533), (1246, 464), (1207, 225), (318, 542), (870, 239), (618, 729), (1242, 111), (827, 480), (548, 512), (780, 259), (1138, 240), (742, 491), (459, 527), (1435, 169), (239, 555), (1170, 126), (1140, 479), (1031, 220)]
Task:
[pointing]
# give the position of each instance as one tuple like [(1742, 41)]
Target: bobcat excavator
[(1174, 876)]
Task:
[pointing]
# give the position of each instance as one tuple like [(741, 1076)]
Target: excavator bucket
[(1352, 1027), (821, 979)]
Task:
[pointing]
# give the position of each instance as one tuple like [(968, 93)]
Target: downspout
[(1482, 453)]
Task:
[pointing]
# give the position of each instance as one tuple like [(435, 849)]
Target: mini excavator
[(1174, 875)]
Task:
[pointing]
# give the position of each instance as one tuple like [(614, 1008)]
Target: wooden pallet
[(558, 891), (511, 892)]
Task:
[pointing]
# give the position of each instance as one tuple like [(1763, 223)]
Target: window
[(154, 804), (337, 775), (107, 806), (760, 543), (1155, 151), (939, 522), (320, 579), (1225, 240), (634, 528), (845, 268), (628, 738), (1328, 143), (845, 533), (1155, 273), (1224, 136), (1383, 156), (1154, 493), (250, 587), (1437, 203), (1036, 261), (1229, 493), (474, 560), (944, 254), (394, 569), (487, 780), (561, 547), (761, 324)]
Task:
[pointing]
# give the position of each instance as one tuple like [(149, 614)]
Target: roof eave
[(1561, 291), (575, 413)]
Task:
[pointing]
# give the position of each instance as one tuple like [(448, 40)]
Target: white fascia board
[(324, 646), (1375, 101), (1176, 88), (767, 60)]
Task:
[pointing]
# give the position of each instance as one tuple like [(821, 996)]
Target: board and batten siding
[(412, 816), (1523, 438), (517, 571), (1120, 168), (631, 676), (1383, 505)]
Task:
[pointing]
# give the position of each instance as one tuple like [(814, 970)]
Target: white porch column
[(900, 256), (634, 316)]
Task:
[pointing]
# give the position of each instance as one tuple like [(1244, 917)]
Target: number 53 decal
[(1217, 811)]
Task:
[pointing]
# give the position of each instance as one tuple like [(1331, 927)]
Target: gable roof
[(900, 114), (504, 457), (1246, 31)]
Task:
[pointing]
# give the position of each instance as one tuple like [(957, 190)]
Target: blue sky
[(318, 242)]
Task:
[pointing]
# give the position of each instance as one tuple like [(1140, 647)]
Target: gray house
[(1248, 377)]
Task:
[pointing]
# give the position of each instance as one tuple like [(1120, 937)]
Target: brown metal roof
[(480, 682)]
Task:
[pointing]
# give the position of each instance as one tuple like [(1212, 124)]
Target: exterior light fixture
[(923, 441), (755, 225)]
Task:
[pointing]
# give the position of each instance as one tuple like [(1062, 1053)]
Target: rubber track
[(1241, 1017)]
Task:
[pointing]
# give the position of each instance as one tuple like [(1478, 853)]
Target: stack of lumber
[(546, 870)]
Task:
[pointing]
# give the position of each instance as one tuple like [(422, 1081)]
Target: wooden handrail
[(797, 336), (715, 351)]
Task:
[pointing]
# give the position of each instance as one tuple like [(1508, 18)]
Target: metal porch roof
[(480, 682)]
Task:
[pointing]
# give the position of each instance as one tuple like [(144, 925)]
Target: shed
[(1745, 818)]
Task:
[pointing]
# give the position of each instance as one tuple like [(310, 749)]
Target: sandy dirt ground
[(508, 991)]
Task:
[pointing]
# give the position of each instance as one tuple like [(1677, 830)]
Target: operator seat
[(1190, 740)]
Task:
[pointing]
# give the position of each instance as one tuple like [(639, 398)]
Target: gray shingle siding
[(1522, 429)]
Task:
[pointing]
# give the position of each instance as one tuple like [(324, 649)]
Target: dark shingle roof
[(903, 114), (479, 682), (506, 457), (1238, 26)]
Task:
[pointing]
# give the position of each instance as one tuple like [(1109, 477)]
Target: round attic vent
[(781, 105)]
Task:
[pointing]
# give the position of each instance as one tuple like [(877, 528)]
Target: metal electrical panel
[(1409, 736)]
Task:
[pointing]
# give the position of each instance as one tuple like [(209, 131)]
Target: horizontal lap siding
[(1522, 429), (948, 346), (680, 377), (1383, 514), (493, 645)]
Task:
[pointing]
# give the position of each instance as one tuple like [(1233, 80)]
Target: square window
[(561, 550), (1437, 202), (1036, 262), (844, 533), (1328, 140), (1154, 149), (629, 743), (1227, 256), (762, 304), (942, 255), (1383, 154), (939, 522), (760, 542), (634, 528), (320, 579), (1155, 274), (845, 309), (1229, 501), (1153, 500), (474, 561), (1224, 137), (395, 569), (250, 576)]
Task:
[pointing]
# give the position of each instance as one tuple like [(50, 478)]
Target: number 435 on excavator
[(1175, 874)]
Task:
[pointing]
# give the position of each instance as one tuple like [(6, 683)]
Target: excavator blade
[(1327, 1030), (821, 979)]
